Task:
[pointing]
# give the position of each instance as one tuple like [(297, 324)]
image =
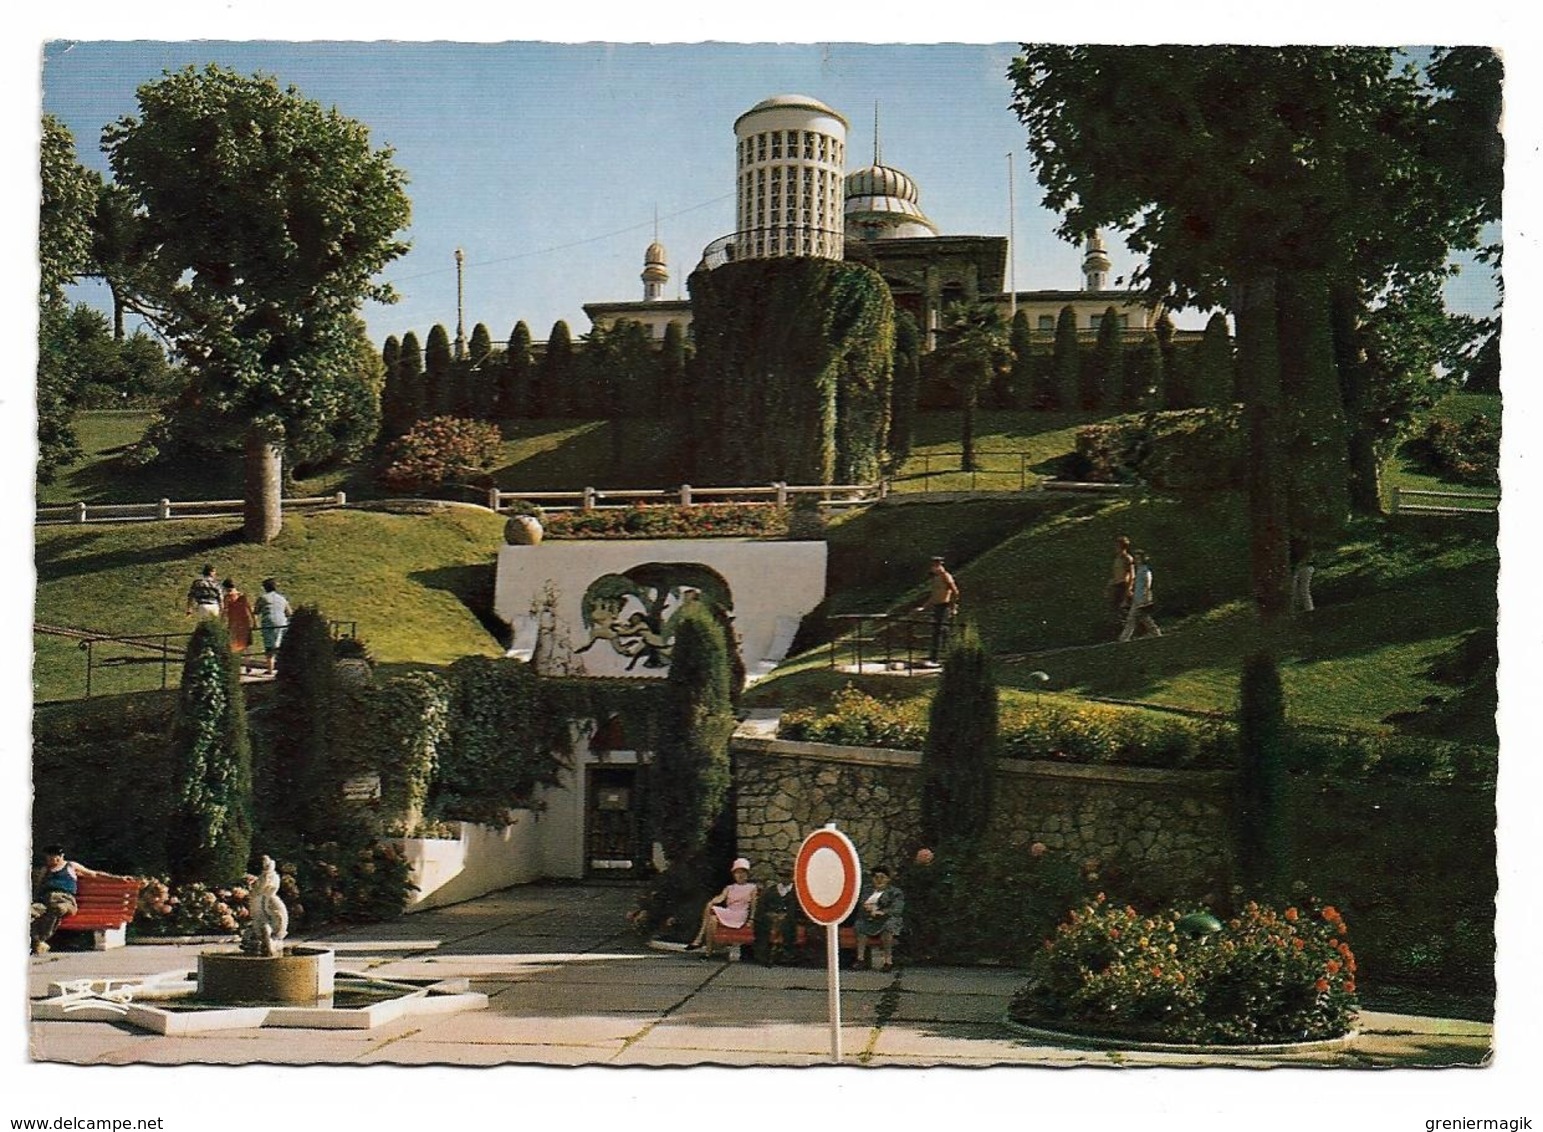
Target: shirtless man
[(943, 600)]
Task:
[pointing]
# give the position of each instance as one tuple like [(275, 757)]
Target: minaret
[(655, 271), (1095, 264)]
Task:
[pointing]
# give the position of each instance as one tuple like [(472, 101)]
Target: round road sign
[(827, 876)]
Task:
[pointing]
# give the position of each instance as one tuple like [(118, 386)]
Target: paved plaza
[(568, 984)]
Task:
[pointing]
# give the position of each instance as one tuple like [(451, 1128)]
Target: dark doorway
[(613, 840)]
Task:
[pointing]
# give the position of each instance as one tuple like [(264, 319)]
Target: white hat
[(740, 863)]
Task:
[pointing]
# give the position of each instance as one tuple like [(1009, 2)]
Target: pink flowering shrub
[(445, 450), (1267, 976)]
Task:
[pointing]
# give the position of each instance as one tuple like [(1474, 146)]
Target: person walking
[(273, 614), (1122, 578), (1141, 602), (943, 601), (236, 608), (204, 594)]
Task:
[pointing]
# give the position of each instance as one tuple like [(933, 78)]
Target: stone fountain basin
[(298, 976), (170, 1004)]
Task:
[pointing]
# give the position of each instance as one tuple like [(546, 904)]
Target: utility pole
[(460, 319), (1012, 247)]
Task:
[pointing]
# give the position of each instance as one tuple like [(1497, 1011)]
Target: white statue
[(269, 918)]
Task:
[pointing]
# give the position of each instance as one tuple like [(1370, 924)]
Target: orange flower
[(1330, 913), (1291, 915), (1158, 972), (1350, 986), (1332, 966), (1299, 943), (1321, 986)]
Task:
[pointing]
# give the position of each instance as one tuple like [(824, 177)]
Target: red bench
[(735, 938), (105, 905)]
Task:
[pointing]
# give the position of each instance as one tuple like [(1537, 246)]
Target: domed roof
[(881, 181), (791, 102), (655, 253)]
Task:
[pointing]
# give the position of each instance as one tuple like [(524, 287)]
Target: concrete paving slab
[(705, 1040), (545, 998), (996, 981), (911, 1006), (591, 1027), (252, 1047), (415, 1052)]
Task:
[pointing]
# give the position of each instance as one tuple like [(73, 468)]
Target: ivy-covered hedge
[(794, 366), (1078, 732), (671, 520)]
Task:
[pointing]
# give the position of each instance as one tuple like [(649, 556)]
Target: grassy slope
[(1031, 567), (410, 581), (1403, 471)]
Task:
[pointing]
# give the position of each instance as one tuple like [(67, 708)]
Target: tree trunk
[(1259, 379), (1365, 473), (264, 462)]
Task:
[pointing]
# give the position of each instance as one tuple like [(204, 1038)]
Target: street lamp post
[(460, 319)]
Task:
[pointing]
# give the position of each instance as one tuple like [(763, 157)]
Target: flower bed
[(1266, 977)]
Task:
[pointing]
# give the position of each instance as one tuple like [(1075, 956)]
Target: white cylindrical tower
[(1095, 264), (656, 272), (789, 191)]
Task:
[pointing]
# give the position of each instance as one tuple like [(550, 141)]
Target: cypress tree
[(209, 829), (959, 757), (438, 362), (1176, 394), (1214, 384), (514, 379), (689, 781), (301, 787), (1107, 385), (558, 373), (480, 370), (412, 381), (905, 390), (1263, 849), (672, 369), (1144, 375), (1020, 385), (393, 419), (1066, 365)]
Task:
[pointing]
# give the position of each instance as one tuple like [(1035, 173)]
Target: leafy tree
[(209, 828), (269, 216), (1262, 836), (110, 373), (347, 433), (413, 406), (1316, 444), (1020, 344), (1176, 393), (119, 257), (513, 393), (438, 361), (558, 372), (959, 758), (974, 348), (1066, 362), (689, 783), (69, 194), (1107, 384), (1306, 166)]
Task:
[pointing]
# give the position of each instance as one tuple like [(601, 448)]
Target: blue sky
[(546, 162)]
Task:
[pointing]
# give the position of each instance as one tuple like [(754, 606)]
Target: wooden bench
[(105, 905)]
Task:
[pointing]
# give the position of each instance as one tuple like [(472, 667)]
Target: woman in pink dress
[(734, 907), (237, 610)]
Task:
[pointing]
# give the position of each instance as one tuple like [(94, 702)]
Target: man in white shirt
[(1140, 615)]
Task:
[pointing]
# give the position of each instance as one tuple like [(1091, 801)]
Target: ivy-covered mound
[(794, 367), (1265, 977)]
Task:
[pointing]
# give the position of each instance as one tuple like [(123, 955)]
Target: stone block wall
[(1170, 827)]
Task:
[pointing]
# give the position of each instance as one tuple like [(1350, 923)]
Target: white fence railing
[(778, 494), (168, 509), (1408, 501)]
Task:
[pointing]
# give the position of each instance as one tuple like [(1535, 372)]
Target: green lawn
[(1403, 471), (1013, 449), (415, 584)]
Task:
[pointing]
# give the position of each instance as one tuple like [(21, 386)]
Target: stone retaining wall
[(1164, 824)]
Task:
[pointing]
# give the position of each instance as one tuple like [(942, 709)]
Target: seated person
[(54, 888), (880, 913), (734, 907), (776, 925)]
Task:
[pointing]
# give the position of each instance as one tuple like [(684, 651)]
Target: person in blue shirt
[(54, 889)]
